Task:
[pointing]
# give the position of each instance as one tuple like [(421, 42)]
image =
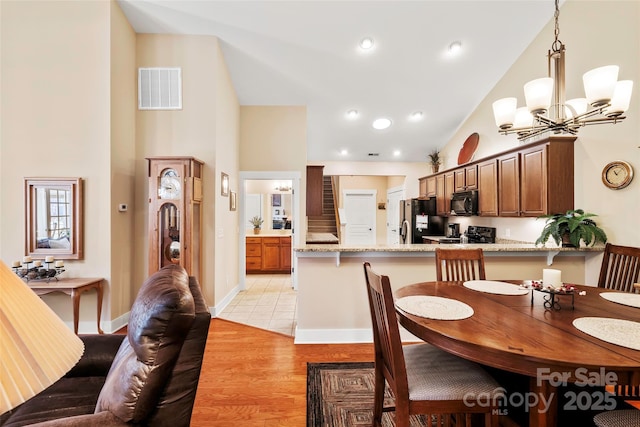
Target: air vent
[(159, 88), (374, 154)]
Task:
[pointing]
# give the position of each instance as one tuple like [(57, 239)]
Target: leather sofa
[(148, 377)]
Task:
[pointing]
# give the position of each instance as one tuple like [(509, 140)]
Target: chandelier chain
[(557, 44)]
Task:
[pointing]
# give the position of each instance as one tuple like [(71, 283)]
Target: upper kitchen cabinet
[(488, 188), (314, 190), (444, 190), (427, 187), (537, 180), (466, 178)]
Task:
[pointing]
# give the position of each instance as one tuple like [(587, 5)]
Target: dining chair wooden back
[(424, 380), (459, 264), (620, 268)]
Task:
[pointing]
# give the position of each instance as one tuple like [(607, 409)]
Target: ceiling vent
[(374, 154), (159, 88)]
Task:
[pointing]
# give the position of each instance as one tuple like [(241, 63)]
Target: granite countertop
[(499, 246), (271, 233)]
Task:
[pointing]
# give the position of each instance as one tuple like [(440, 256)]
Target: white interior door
[(394, 195), (360, 210)]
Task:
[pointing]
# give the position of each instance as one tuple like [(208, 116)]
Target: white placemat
[(431, 307), (493, 287), (624, 298), (621, 332)]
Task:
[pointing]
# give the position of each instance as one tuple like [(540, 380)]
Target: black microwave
[(464, 203)]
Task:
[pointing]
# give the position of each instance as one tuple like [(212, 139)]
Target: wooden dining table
[(517, 333)]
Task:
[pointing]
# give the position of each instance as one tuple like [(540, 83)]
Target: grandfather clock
[(175, 213)]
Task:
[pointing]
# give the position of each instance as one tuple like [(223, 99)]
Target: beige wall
[(275, 139), (332, 300), (206, 128), (55, 99), (616, 41), (123, 139)]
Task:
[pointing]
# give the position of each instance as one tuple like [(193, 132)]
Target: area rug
[(341, 395)]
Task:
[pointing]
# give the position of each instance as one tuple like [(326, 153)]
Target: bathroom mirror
[(53, 217)]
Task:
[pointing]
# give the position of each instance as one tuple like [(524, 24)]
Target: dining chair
[(459, 264), (423, 379), (618, 418), (620, 268)]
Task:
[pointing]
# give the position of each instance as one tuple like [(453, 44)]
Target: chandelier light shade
[(606, 99), (37, 347), (504, 111)]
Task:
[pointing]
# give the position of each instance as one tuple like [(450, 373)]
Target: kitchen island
[(332, 299)]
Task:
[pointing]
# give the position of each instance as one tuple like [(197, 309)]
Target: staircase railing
[(336, 213)]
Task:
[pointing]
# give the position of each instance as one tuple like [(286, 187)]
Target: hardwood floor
[(253, 377)]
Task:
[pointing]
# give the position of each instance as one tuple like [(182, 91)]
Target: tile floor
[(269, 302)]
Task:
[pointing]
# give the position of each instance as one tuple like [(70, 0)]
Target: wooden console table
[(73, 287)]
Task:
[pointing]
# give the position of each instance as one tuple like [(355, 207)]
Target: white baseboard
[(342, 336), (218, 308)]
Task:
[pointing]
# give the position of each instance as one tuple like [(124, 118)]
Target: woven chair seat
[(618, 418), (434, 374)]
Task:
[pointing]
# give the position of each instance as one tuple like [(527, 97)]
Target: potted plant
[(570, 228), (256, 221), (435, 160)]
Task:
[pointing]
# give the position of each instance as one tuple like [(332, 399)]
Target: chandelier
[(606, 101)]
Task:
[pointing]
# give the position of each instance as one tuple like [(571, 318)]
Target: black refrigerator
[(418, 218)]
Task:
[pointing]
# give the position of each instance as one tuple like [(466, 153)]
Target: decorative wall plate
[(468, 148)]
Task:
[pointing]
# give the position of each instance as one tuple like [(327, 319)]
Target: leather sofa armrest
[(99, 351)]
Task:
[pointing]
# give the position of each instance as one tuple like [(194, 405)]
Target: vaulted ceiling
[(307, 53)]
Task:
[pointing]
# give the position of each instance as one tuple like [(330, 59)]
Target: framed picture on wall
[(276, 200), (232, 201)]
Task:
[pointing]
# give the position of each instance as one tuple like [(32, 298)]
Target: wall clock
[(617, 174), (175, 213)]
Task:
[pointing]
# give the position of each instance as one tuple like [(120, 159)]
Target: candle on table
[(59, 264), (26, 259), (551, 277), (48, 258), (16, 263)]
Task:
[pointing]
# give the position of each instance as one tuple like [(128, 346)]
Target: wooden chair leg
[(378, 403)]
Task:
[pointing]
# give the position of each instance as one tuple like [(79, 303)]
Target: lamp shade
[(37, 347), (599, 84), (504, 111), (621, 98), (575, 107), (538, 94), (523, 119)]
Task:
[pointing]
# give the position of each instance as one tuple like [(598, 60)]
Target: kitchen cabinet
[(441, 208), (531, 180), (509, 185), (314, 190), (268, 254), (449, 187), (488, 188), (431, 186), (422, 188), (427, 187), (466, 178), (537, 180)]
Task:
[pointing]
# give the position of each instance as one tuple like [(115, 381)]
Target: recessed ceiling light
[(455, 47), (352, 114), (344, 152), (416, 115), (396, 153), (366, 43), (381, 123)]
